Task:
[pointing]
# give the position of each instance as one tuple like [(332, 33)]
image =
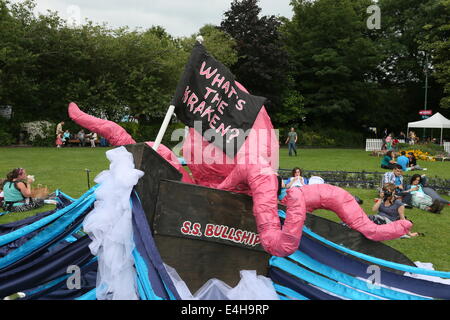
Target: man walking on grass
[(291, 141)]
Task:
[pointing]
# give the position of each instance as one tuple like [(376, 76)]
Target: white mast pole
[(168, 116), (163, 128)]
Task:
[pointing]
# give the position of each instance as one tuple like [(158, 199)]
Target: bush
[(40, 133), (313, 139), (48, 141), (344, 138), (6, 138), (325, 137), (36, 129), (425, 148), (148, 132), (434, 149)]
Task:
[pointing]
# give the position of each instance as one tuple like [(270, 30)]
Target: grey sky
[(178, 17)]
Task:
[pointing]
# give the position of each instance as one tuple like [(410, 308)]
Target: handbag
[(40, 192)]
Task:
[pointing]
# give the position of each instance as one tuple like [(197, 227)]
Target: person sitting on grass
[(396, 178), (17, 192), (66, 137), (389, 208), (403, 160), (81, 137), (420, 199), (1, 193), (413, 162), (93, 139), (388, 161), (296, 180)]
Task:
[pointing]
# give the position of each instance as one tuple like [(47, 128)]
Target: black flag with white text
[(207, 92)]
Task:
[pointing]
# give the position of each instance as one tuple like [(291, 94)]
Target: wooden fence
[(376, 144)]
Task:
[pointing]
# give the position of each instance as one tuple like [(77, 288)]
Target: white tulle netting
[(427, 266), (250, 287), (109, 225)]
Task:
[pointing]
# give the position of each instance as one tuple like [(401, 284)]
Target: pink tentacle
[(275, 239), (115, 134), (284, 240), (118, 136), (338, 200)]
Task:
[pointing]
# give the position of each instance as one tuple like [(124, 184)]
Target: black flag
[(207, 92)]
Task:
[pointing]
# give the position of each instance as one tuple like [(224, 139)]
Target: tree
[(291, 112), (333, 56), (17, 61), (149, 64), (437, 43), (263, 64), (218, 43), (403, 42), (46, 63)]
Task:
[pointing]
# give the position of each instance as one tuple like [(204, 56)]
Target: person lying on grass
[(420, 199)]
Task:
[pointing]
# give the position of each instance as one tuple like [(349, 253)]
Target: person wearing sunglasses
[(388, 208)]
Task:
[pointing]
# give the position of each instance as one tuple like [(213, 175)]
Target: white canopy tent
[(436, 121)]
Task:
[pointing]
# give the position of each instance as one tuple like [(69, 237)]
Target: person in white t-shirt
[(93, 139), (296, 180)]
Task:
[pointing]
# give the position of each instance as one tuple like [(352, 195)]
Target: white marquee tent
[(436, 121)]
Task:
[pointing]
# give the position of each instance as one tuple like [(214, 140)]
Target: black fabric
[(7, 248), (358, 268), (60, 290), (31, 205), (207, 92), (146, 247), (379, 219), (54, 266), (10, 227), (27, 265), (47, 246), (354, 240), (406, 198), (298, 285)]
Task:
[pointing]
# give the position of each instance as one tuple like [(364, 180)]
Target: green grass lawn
[(65, 169), (350, 160)]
